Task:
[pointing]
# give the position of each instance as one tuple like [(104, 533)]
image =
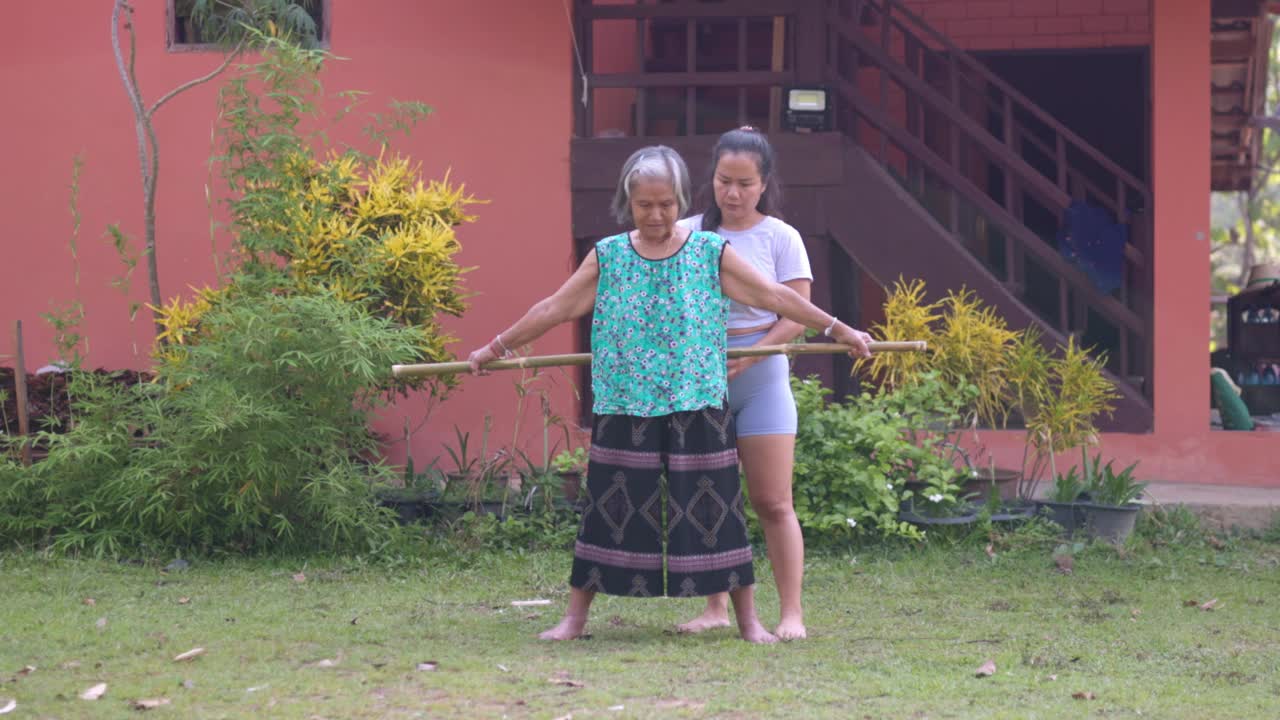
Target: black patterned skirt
[(663, 511)]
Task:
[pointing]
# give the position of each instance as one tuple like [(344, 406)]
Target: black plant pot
[(1005, 482), (966, 515), (1014, 512), (1112, 523), (1068, 515), (570, 485), (409, 507)]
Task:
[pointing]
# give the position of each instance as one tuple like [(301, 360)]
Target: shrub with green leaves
[(854, 459), (255, 437)]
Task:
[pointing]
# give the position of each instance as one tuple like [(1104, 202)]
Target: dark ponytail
[(744, 140)]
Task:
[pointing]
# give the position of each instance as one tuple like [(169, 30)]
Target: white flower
[(852, 522), (888, 486), (936, 497)]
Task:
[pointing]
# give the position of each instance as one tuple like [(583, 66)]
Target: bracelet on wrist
[(503, 350), (834, 321)]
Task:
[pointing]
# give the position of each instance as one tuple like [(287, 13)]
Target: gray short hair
[(656, 162)]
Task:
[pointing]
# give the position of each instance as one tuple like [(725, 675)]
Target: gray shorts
[(760, 398)]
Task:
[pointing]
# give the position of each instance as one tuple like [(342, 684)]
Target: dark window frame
[(172, 44)]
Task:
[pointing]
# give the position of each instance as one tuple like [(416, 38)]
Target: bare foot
[(570, 628), (708, 620), (755, 633), (791, 629)]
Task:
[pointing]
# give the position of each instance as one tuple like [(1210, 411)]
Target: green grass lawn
[(894, 634)]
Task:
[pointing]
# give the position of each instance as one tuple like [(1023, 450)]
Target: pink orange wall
[(1025, 24), (501, 91)]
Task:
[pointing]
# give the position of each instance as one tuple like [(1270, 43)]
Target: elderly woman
[(658, 344)]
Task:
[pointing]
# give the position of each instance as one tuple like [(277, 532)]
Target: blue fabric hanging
[(1092, 241)]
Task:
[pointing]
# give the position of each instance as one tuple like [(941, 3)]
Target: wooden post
[(20, 390), (776, 63)]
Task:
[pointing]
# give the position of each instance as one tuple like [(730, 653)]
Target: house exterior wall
[(1039, 24), (502, 122), (503, 96)]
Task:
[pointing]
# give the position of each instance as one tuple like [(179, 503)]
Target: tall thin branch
[(198, 81), (148, 142), (148, 161)]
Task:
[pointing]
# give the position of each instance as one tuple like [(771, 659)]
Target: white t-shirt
[(772, 247)]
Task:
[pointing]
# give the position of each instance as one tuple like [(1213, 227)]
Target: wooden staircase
[(996, 173), (938, 170)]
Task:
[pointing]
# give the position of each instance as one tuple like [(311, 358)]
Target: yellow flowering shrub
[(370, 232)]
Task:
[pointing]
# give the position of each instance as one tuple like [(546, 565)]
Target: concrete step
[(1220, 507)]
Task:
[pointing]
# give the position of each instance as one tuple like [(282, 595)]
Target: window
[(187, 32)]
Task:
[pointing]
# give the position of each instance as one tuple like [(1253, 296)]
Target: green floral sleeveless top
[(658, 334)]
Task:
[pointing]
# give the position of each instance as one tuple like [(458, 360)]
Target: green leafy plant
[(254, 434), (1066, 488), (1060, 398), (228, 22), (1110, 487), (464, 465), (854, 459), (1057, 395), (968, 343), (255, 437), (570, 461)]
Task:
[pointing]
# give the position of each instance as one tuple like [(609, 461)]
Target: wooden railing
[(980, 154)]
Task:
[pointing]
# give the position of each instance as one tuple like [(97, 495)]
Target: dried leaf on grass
[(26, 670), (1083, 695), (428, 665), (1064, 563), (149, 703), (1209, 605), (300, 577), (94, 692), (90, 602), (326, 663), (184, 601), (529, 603), (101, 624), (561, 677), (991, 551), (191, 654), (987, 669), (678, 703)]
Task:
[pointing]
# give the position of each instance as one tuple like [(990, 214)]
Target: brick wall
[(1028, 24)]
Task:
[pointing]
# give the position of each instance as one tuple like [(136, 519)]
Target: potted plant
[(858, 466), (969, 351), (464, 465), (1063, 504), (1113, 510), (416, 499), (571, 467), (1059, 398)]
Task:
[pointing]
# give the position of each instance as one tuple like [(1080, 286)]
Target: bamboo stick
[(20, 391), (542, 361)]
